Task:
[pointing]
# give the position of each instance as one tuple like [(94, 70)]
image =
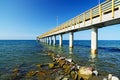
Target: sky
[(27, 19)]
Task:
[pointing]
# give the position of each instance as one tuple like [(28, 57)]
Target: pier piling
[(60, 40), (54, 40), (94, 40), (71, 36)]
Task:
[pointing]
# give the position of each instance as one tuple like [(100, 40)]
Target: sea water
[(27, 53)]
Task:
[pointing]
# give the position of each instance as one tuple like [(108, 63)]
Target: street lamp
[(57, 20), (98, 1)]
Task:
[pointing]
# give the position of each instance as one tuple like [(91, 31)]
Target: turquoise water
[(27, 53)]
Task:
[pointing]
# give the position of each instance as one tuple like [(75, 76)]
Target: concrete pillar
[(54, 40), (60, 40), (47, 40), (94, 40), (50, 40), (71, 36), (44, 40), (70, 50), (41, 40)]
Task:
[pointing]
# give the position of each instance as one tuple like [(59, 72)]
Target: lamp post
[(99, 2), (57, 20)]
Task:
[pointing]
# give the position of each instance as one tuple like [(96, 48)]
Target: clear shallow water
[(106, 61), (23, 53), (26, 53)]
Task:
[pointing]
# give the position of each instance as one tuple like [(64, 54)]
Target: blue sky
[(26, 19)]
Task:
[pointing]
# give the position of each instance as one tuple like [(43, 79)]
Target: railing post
[(91, 15), (100, 12), (74, 22), (79, 20), (94, 40), (60, 40), (112, 8), (71, 36), (84, 15), (70, 24)]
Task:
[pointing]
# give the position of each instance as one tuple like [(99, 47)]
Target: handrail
[(87, 15)]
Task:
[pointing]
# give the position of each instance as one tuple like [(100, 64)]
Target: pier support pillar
[(39, 39), (54, 40), (60, 40), (71, 36), (44, 40), (47, 40), (50, 40), (94, 40)]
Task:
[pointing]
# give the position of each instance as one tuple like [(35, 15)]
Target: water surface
[(27, 53)]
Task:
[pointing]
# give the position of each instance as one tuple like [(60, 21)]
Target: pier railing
[(98, 11)]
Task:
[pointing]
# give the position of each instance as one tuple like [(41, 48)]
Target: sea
[(25, 54)]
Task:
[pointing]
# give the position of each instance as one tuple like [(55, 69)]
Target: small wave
[(113, 49)]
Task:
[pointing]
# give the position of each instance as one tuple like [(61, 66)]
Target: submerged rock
[(69, 60), (61, 62), (51, 65), (85, 72), (16, 70), (60, 69), (5, 77), (59, 78), (15, 74), (110, 77), (65, 79), (38, 65), (43, 74), (73, 75), (95, 72), (30, 74)]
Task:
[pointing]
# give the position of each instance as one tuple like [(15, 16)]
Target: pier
[(100, 16)]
